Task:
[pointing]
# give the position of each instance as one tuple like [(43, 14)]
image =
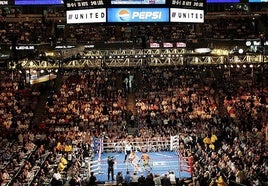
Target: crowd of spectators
[(44, 30), (223, 131), (21, 156), (25, 32), (230, 145)]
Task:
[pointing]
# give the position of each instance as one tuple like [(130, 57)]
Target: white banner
[(186, 15), (3, 2), (86, 16)]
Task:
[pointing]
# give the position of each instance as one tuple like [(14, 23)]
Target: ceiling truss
[(140, 57)]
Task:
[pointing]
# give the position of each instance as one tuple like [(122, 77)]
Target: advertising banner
[(181, 15), (137, 2), (86, 16), (123, 15), (38, 2)]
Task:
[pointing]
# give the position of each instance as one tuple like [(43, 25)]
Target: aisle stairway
[(45, 92), (132, 109), (131, 103)]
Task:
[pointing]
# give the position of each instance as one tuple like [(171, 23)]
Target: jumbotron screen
[(223, 1), (134, 11), (38, 2), (138, 2), (258, 1)]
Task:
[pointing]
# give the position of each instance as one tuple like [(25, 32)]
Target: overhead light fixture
[(202, 50)]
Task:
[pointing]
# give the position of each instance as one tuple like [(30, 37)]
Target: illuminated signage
[(83, 4), (89, 46), (192, 4), (64, 47), (137, 2), (256, 43), (181, 45), (86, 16), (138, 15), (223, 1), (167, 45), (3, 2), (154, 45), (24, 47), (257, 1), (186, 15), (38, 2)]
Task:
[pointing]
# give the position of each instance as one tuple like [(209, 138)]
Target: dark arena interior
[(133, 92)]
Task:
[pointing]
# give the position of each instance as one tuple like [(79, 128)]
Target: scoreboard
[(134, 11), (78, 4), (141, 2)]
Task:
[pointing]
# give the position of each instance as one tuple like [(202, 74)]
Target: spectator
[(165, 180), (142, 180), (119, 178), (57, 179), (157, 180), (92, 180), (149, 180), (127, 179), (134, 179)]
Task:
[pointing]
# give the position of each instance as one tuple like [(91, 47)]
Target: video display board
[(38, 2), (191, 4), (84, 4), (186, 15), (96, 15), (121, 15), (223, 1), (258, 1), (138, 2), (134, 11)]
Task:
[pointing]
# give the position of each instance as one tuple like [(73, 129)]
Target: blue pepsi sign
[(124, 15)]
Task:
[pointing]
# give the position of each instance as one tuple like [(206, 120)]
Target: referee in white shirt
[(128, 149)]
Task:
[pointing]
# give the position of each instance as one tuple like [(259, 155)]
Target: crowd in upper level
[(40, 30)]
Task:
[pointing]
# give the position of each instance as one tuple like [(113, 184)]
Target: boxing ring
[(161, 161)]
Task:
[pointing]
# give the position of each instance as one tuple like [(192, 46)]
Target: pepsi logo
[(123, 15)]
